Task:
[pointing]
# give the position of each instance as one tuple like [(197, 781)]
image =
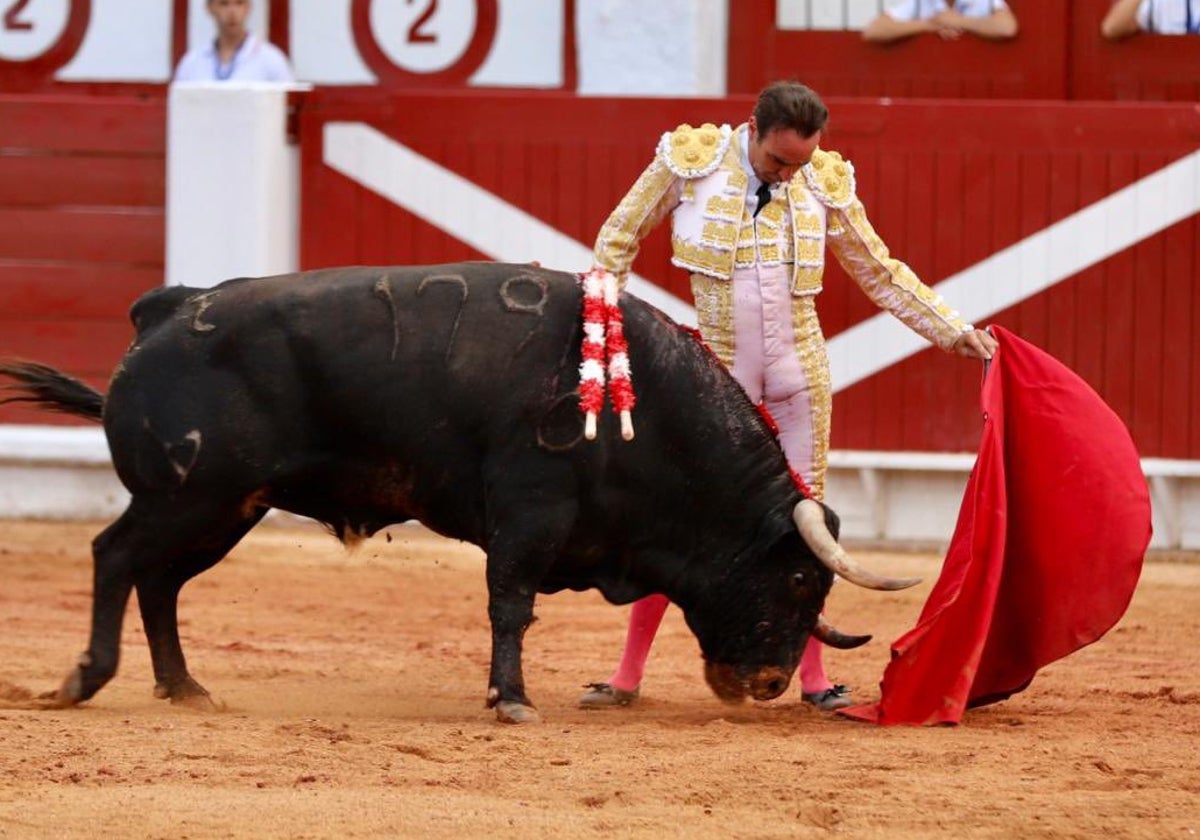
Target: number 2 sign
[(39, 36), (438, 43)]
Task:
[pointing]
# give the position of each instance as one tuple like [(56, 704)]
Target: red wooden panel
[(83, 123), (1140, 67), (76, 179), (370, 229), (1148, 316), (82, 186), (544, 194), (1089, 314), (1058, 54), (895, 226), (328, 202), (1121, 282), (84, 348), (751, 44), (1033, 213), (946, 183), (14, 413), (1179, 260), (917, 249), (922, 220), (131, 237), (948, 234), (570, 169), (1057, 179), (601, 186), (1062, 199), (949, 223), (976, 205), (90, 291), (1033, 65)]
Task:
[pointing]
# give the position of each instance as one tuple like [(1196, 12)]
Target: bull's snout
[(733, 687), (724, 682), (769, 683)]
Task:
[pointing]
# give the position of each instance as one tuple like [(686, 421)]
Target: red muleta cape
[(1046, 554)]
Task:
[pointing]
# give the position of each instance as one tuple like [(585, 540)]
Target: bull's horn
[(835, 638), (809, 517)]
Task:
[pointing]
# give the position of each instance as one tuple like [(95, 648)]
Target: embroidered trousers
[(779, 358)]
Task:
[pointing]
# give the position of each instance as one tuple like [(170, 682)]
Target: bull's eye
[(799, 583), (762, 627)]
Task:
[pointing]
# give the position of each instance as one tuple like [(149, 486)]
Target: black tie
[(764, 195)]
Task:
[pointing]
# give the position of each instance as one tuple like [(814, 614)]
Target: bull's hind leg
[(112, 582), (156, 547), (158, 588)]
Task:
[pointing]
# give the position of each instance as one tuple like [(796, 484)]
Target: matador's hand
[(975, 344)]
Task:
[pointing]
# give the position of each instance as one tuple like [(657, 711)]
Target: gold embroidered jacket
[(697, 176)]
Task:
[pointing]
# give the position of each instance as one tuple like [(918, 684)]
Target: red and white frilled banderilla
[(605, 353)]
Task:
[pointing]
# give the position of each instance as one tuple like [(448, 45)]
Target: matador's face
[(779, 154)]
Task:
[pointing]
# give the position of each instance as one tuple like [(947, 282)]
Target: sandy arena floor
[(355, 687)]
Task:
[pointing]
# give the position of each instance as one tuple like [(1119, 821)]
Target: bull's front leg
[(524, 542), (510, 609)]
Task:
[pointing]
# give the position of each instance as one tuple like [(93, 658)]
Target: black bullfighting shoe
[(605, 696), (830, 699)]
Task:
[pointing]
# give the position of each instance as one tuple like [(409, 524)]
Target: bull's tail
[(49, 389)]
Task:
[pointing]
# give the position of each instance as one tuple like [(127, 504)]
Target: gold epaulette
[(831, 179), (694, 152)]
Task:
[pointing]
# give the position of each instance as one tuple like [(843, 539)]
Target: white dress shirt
[(255, 61)]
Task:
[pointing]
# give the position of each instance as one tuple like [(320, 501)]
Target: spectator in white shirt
[(236, 54), (991, 19), (1162, 17)]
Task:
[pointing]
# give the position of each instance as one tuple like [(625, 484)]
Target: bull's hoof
[(70, 693), (199, 703), (508, 711), (190, 695)]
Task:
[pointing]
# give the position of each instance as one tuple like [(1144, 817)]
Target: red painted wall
[(1058, 54), (82, 233), (1141, 68), (946, 183)]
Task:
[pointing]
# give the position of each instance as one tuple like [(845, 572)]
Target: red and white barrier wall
[(1029, 215), (1045, 216)]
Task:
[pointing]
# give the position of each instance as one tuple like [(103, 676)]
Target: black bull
[(363, 397)]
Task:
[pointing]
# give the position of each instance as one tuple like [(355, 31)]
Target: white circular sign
[(29, 28), (423, 36)]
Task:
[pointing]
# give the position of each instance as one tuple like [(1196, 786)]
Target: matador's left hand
[(975, 344)]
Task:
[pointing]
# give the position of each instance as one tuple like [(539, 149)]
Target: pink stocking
[(644, 619), (812, 669)]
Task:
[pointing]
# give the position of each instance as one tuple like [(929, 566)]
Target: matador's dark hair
[(790, 105)]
